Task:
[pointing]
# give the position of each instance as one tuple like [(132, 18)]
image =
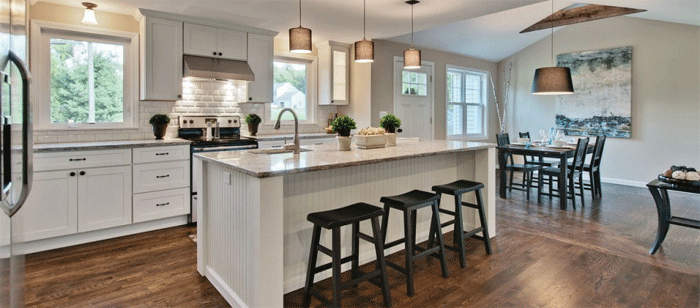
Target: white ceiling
[(486, 29)]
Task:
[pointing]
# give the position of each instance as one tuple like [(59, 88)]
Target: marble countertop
[(323, 157), (289, 136), (106, 145)]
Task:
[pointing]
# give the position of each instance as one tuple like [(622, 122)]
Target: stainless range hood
[(211, 68)]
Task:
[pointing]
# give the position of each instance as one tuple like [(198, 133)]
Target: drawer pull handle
[(159, 154), (162, 176), (162, 204), (319, 143), (78, 159), (276, 146)]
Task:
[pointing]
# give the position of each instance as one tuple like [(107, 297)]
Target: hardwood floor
[(595, 256)]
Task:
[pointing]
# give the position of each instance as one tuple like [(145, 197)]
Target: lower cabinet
[(161, 204), (104, 198)]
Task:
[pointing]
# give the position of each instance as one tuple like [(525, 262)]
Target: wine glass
[(560, 134), (543, 135)]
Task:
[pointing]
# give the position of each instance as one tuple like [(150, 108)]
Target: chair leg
[(355, 250), (599, 189), (580, 180), (482, 219), (539, 188), (313, 254), (459, 232), (337, 281), (408, 242), (572, 190), (510, 187), (441, 242), (381, 261), (594, 187), (529, 183), (551, 191)]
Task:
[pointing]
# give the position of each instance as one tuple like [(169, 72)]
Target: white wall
[(665, 92)]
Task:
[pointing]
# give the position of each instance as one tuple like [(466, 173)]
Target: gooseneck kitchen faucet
[(296, 127)]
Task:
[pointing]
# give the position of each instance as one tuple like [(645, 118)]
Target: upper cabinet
[(260, 59), (333, 73), (161, 59), (214, 42)]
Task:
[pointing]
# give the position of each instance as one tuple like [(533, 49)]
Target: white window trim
[(484, 103), (311, 87), (41, 63)]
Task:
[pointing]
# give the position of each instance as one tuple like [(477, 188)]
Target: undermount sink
[(277, 151)]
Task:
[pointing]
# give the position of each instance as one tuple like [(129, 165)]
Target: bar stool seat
[(334, 220), (457, 189), (409, 203)]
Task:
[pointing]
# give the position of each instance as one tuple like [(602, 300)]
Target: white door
[(260, 59), (413, 99), (201, 40), (232, 44), (104, 198)]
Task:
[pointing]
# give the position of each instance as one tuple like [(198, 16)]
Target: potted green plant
[(390, 123), (343, 125), (160, 125), (253, 121)]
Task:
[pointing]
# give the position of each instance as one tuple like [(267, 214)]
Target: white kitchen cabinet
[(104, 198), (161, 154), (161, 59), (261, 59), (333, 73), (161, 176), (214, 42), (161, 204), (271, 144), (317, 141), (51, 209)]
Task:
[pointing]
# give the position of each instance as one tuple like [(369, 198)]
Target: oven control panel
[(201, 121)]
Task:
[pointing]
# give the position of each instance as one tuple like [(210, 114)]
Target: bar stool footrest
[(364, 277), (320, 297), (473, 233), (328, 266), (394, 243), (365, 237)]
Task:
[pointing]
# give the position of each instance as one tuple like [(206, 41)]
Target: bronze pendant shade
[(300, 37), (364, 51), (552, 81), (411, 56)]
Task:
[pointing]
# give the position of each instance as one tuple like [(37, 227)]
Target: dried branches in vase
[(502, 117)]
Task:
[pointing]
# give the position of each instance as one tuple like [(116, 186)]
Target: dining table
[(561, 153)]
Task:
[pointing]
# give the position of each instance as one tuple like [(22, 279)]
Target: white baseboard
[(624, 182), (225, 291)]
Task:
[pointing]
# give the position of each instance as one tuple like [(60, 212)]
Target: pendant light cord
[(412, 25), (299, 13), (364, 19), (552, 55)]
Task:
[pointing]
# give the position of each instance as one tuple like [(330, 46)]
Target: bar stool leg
[(482, 219), (336, 268), (381, 262), (441, 242), (385, 223), (310, 272), (459, 232), (355, 250), (409, 242)]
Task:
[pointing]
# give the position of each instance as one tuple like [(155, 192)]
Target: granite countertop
[(323, 157), (106, 145), (289, 136)]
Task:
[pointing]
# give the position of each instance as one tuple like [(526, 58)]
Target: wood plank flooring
[(595, 256)]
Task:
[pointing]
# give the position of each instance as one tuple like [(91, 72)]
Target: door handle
[(11, 207)]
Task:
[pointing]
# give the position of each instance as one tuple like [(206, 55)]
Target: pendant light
[(552, 80), (300, 37), (411, 56), (364, 49), (89, 15)]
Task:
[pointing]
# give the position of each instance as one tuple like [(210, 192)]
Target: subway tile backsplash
[(200, 97)]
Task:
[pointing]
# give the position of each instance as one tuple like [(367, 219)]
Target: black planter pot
[(159, 130), (253, 128)]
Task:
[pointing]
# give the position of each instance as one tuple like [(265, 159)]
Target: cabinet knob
[(215, 53), (250, 98), (82, 172), (72, 174), (179, 96), (220, 54)]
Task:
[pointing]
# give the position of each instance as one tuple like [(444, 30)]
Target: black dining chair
[(575, 172), (527, 169), (535, 160), (593, 168)]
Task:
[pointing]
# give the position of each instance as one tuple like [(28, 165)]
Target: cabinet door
[(340, 76), (104, 198), (201, 40), (161, 59), (260, 59), (232, 44), (51, 208)]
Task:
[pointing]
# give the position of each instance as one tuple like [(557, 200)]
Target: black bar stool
[(333, 220), (409, 203), (457, 189)]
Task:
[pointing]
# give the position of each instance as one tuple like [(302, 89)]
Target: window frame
[(311, 84), (40, 56), (463, 71)]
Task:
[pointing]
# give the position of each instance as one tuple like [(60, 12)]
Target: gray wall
[(383, 81), (665, 93)]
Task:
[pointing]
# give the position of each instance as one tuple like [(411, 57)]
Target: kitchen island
[(253, 236)]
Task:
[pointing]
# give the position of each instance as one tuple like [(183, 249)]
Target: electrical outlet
[(227, 178)]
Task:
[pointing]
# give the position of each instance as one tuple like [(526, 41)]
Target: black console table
[(659, 190)]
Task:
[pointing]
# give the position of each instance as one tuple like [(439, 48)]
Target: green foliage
[(287, 73), (69, 83), (253, 119), (159, 119), (343, 124), (390, 122)]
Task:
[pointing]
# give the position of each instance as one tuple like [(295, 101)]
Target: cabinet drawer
[(161, 154), (317, 141), (161, 176), (161, 204), (81, 159)]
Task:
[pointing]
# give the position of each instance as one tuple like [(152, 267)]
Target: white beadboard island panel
[(253, 234)]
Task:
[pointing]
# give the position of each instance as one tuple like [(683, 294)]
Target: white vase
[(390, 139), (344, 143)]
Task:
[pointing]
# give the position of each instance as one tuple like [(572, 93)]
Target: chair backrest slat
[(580, 154), (598, 152), (503, 139), (528, 159)]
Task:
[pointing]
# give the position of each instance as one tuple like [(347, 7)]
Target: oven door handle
[(225, 148)]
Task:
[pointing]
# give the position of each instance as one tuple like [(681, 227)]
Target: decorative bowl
[(370, 141)]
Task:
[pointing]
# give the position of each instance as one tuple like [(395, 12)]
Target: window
[(414, 83), (293, 88), (88, 77), (466, 103)]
